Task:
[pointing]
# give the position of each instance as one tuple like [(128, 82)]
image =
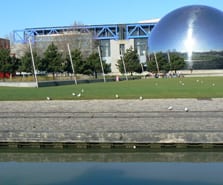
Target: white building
[(112, 39)]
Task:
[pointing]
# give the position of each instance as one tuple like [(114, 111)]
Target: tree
[(131, 61), (26, 62), (176, 62), (164, 64), (8, 64), (52, 60), (78, 62), (93, 65)]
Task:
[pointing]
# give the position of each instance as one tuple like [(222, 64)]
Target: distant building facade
[(4, 43), (112, 40)]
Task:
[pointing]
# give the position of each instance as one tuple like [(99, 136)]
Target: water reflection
[(169, 168)]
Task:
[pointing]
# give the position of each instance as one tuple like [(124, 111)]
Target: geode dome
[(195, 32)]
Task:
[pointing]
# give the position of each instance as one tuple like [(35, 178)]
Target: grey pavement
[(113, 121)]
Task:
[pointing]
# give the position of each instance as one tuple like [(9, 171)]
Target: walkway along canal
[(149, 123)]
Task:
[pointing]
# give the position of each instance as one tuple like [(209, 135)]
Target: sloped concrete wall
[(113, 121)]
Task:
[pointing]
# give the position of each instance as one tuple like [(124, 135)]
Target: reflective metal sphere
[(196, 32)]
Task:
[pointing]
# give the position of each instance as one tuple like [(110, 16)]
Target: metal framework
[(99, 32), (134, 31)]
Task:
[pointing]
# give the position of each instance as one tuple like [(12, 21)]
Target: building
[(112, 39), (4, 43)]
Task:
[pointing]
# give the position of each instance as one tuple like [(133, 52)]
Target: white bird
[(73, 94), (117, 96), (134, 146), (186, 109), (141, 98), (48, 98), (170, 108), (79, 95)]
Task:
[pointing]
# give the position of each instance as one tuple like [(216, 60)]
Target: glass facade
[(195, 32), (141, 46), (121, 49), (105, 48)]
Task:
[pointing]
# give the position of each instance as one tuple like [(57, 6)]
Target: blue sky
[(21, 14)]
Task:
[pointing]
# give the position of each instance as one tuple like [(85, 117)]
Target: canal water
[(111, 168)]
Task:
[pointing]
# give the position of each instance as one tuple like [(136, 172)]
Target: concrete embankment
[(112, 123), (114, 156)]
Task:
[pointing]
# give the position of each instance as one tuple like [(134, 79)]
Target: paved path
[(113, 121)]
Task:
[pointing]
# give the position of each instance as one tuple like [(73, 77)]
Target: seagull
[(73, 94), (116, 96), (48, 98), (170, 108), (186, 109), (141, 98), (79, 95)]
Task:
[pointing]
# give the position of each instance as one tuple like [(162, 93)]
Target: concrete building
[(112, 39), (4, 43)]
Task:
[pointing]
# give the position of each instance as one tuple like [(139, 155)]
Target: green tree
[(92, 65), (52, 60), (131, 61), (8, 64), (162, 63), (176, 62), (15, 64), (26, 62), (78, 62)]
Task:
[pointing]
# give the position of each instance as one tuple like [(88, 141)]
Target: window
[(141, 46), (105, 48), (122, 49)]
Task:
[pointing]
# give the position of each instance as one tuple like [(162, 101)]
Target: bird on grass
[(48, 98)]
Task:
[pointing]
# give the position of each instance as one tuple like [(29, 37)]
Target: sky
[(21, 14)]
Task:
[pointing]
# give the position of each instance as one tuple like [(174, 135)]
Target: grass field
[(199, 87)]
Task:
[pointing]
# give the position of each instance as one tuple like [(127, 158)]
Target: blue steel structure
[(99, 32), (134, 31)]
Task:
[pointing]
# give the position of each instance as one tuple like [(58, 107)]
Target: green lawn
[(203, 87)]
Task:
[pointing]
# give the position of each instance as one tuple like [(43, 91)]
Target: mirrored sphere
[(195, 32)]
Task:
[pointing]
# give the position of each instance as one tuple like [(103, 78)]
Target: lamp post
[(33, 63), (71, 62), (102, 68), (123, 62)]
